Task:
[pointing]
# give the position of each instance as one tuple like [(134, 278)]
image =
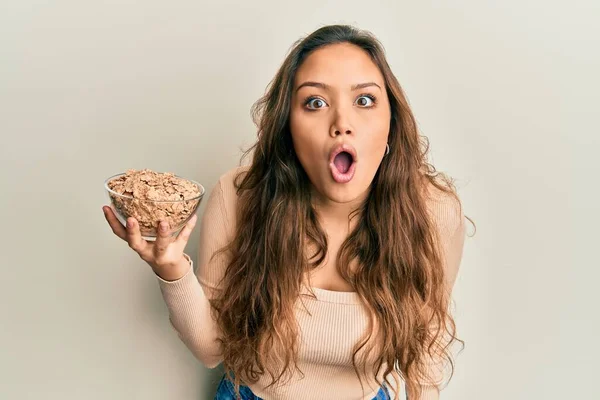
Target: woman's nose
[(341, 125)]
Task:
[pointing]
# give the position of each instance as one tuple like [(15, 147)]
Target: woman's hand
[(165, 255)]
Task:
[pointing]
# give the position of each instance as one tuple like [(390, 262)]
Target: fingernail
[(130, 223), (163, 226)]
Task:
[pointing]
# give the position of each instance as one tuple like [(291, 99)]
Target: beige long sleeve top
[(336, 322)]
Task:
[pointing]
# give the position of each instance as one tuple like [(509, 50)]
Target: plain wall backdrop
[(507, 93)]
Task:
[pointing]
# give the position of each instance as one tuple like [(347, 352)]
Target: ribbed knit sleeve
[(187, 298), (450, 224)]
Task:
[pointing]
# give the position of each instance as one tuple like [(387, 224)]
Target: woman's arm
[(187, 298), (452, 233)]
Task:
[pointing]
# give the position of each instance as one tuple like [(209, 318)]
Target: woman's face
[(339, 121)]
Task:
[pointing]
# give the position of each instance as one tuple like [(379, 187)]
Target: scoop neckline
[(332, 296)]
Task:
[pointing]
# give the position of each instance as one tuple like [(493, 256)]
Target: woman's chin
[(346, 193)]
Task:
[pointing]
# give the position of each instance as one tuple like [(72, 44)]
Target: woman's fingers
[(116, 226), (157, 252), (163, 239), (134, 237), (130, 233), (185, 233)]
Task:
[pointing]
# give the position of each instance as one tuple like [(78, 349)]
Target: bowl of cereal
[(151, 197)]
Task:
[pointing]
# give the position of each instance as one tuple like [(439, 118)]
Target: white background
[(506, 91)]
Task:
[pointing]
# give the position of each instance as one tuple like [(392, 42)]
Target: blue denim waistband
[(226, 391)]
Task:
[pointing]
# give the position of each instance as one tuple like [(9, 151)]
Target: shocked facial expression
[(340, 121)]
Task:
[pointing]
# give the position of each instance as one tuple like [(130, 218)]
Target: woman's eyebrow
[(320, 85), (364, 85), (325, 86)]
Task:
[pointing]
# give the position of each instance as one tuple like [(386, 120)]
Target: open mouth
[(342, 163)]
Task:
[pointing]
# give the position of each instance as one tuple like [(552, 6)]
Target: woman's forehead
[(339, 65)]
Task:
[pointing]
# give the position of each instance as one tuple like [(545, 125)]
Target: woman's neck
[(335, 215)]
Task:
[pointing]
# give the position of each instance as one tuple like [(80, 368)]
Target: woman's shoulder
[(226, 190), (445, 208), (227, 182)]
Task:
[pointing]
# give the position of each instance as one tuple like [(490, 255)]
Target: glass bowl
[(149, 213)]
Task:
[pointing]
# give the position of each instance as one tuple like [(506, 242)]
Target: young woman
[(326, 265)]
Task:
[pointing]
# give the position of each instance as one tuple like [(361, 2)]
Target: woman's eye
[(365, 101), (315, 103)]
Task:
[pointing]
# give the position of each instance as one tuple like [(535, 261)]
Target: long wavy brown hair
[(399, 274)]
